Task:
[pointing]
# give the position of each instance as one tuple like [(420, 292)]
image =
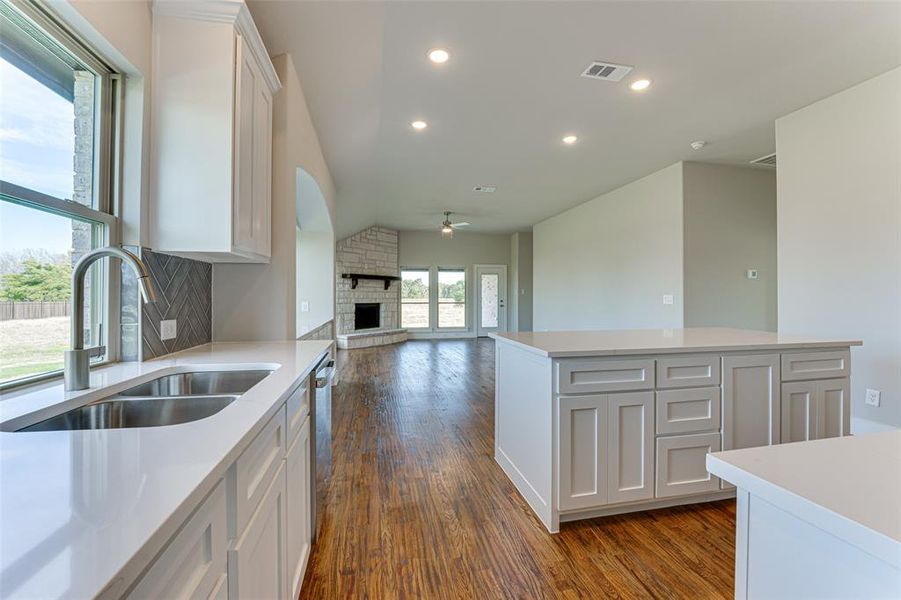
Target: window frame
[(438, 302), (427, 302), (105, 184)]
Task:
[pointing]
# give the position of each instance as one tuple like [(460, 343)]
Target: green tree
[(414, 289), (37, 282)]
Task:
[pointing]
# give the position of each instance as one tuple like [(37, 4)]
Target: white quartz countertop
[(659, 341), (849, 486), (81, 510)]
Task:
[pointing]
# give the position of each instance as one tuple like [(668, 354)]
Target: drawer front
[(298, 407), (831, 364), (193, 565), (577, 376), (681, 465), (688, 371), (691, 410), (256, 466)]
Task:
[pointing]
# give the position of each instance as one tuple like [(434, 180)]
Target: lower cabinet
[(750, 401), (299, 532), (257, 565), (605, 449), (681, 464), (815, 409), (193, 564)]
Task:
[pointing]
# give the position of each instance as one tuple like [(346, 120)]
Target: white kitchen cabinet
[(815, 409), (299, 532), (257, 564), (751, 407), (681, 465), (193, 563), (583, 451), (211, 133), (689, 410), (630, 453)]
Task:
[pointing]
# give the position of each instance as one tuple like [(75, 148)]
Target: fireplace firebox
[(366, 315)]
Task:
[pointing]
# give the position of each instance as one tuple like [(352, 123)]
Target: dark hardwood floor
[(417, 507)]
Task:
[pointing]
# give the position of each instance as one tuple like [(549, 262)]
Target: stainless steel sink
[(119, 412), (203, 383)]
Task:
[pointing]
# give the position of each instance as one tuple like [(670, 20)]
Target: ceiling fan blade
[(463, 224)]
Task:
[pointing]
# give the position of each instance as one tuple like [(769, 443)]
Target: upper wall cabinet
[(211, 140)]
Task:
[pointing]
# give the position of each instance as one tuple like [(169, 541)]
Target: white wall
[(607, 263), (315, 279), (729, 217), (839, 232), (258, 302), (520, 295), (465, 249)]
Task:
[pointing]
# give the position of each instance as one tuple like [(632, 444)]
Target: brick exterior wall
[(372, 251)]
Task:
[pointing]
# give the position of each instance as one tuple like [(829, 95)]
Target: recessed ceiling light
[(570, 140), (438, 55), (419, 125), (640, 85)]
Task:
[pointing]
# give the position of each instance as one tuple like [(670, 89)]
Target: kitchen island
[(820, 519), (217, 507), (592, 423)]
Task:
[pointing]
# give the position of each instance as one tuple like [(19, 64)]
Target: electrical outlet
[(667, 298), (874, 397), (304, 306), (752, 273), (168, 329)]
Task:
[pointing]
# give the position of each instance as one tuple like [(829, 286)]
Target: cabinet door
[(682, 464), (833, 410), (582, 452), (246, 84), (630, 443), (298, 508), (799, 411), (257, 565), (262, 168), (193, 564), (750, 401)]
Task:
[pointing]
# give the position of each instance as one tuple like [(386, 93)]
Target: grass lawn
[(32, 346)]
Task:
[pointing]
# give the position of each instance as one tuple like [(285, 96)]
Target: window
[(414, 299), (451, 298), (56, 101)]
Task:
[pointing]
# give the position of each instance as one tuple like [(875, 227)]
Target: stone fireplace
[(372, 251)]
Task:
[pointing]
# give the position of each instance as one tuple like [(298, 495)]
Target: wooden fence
[(33, 310)]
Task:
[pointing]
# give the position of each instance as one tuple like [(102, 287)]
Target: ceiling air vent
[(484, 189), (606, 71), (767, 161)]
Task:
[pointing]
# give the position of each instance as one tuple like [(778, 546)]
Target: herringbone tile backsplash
[(184, 290)]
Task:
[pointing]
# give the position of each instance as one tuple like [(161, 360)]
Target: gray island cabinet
[(594, 423)]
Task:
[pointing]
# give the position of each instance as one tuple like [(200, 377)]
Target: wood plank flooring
[(417, 507)]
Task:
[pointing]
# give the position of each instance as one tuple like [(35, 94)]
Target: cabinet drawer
[(256, 466), (688, 411), (681, 464), (193, 565), (298, 407), (688, 371), (578, 376), (816, 365)]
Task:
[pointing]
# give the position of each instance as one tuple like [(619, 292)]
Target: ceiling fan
[(447, 228)]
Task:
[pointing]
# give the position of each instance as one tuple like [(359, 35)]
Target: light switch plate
[(667, 298), (874, 397), (168, 329), (752, 273), (304, 306)]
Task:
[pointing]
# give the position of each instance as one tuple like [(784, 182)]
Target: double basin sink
[(166, 400)]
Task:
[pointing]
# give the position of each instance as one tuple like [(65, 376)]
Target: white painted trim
[(629, 507)]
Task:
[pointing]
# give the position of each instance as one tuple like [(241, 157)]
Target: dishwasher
[(320, 438)]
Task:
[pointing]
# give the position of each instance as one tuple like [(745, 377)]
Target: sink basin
[(203, 383), (118, 412)]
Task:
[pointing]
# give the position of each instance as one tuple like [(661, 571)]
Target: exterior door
[(491, 299)]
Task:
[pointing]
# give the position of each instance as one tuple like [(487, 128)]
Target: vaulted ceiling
[(497, 110)]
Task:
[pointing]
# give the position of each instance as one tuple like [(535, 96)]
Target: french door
[(491, 299)]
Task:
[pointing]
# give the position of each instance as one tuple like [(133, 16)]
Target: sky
[(37, 145)]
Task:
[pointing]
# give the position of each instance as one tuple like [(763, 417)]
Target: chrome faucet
[(76, 371)]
